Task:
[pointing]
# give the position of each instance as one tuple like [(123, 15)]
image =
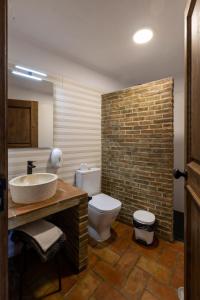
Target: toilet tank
[(89, 180)]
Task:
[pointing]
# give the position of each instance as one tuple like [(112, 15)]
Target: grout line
[(146, 290)]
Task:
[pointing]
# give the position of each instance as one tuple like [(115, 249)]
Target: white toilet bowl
[(102, 211)]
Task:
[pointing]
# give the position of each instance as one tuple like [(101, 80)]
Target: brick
[(137, 151)]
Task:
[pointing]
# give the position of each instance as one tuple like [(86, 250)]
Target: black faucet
[(30, 166)]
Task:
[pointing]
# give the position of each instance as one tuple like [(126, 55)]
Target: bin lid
[(144, 217)]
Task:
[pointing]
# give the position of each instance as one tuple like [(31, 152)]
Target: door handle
[(2, 189), (177, 174)]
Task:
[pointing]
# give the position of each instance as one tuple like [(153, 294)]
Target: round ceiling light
[(143, 36)]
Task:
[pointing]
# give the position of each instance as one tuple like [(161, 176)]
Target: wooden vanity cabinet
[(22, 123)]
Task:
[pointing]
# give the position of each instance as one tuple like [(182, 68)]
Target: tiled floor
[(118, 269)]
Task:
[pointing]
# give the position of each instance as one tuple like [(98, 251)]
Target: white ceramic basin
[(33, 188)]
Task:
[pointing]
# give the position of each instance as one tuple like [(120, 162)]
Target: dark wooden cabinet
[(22, 123)]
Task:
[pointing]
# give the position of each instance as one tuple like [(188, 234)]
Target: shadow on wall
[(179, 136), (179, 164)]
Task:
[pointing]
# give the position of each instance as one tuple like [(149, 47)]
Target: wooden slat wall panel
[(77, 131)]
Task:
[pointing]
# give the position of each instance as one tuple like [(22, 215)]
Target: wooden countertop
[(66, 196)]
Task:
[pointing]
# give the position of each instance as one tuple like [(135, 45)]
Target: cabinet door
[(22, 123)]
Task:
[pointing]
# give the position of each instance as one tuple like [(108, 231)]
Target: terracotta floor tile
[(176, 245), (136, 283), (118, 242), (106, 254), (151, 252), (42, 291), (179, 246), (124, 230), (180, 261), (161, 291), (84, 289), (82, 274), (108, 273), (148, 296), (119, 245), (93, 258), (178, 274), (168, 258), (56, 296), (118, 269), (160, 272), (127, 262), (68, 283), (178, 278), (105, 244), (107, 292)]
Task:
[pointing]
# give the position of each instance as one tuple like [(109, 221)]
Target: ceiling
[(98, 34)]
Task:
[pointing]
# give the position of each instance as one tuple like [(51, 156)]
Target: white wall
[(77, 132), (179, 141), (32, 56), (77, 112), (74, 121)]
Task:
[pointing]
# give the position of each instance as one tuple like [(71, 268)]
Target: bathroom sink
[(33, 188)]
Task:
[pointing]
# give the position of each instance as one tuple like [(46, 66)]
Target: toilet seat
[(104, 203)]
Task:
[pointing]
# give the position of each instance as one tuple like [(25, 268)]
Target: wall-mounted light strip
[(26, 75), (30, 70)]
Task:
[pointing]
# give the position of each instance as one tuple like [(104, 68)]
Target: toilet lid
[(144, 217), (104, 203)]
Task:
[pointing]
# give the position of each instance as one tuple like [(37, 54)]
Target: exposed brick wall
[(74, 221), (137, 151)]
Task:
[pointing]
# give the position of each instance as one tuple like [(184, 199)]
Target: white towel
[(43, 232)]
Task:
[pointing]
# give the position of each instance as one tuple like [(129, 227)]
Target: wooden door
[(3, 153), (192, 204)]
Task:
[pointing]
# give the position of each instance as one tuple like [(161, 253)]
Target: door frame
[(188, 187), (187, 59), (187, 62), (3, 153)]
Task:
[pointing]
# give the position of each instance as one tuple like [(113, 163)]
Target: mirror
[(30, 107)]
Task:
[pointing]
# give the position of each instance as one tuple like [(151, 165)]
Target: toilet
[(102, 209)]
